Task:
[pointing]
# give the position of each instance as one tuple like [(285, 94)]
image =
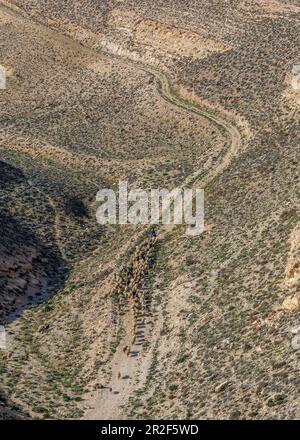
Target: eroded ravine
[(106, 403)]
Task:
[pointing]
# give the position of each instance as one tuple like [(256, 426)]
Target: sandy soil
[(129, 373)]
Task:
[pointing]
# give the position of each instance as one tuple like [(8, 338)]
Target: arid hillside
[(107, 321)]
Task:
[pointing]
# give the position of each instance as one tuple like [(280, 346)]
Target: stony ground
[(79, 113)]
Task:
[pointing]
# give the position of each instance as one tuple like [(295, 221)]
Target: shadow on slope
[(31, 265)]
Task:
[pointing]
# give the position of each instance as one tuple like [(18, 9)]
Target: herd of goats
[(130, 284)]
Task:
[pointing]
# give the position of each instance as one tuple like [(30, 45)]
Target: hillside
[(160, 94)]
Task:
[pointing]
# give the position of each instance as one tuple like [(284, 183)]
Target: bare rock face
[(295, 343), (74, 116), (292, 303), (163, 39), (26, 258), (8, 411)]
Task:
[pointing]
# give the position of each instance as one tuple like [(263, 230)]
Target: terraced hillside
[(160, 95)]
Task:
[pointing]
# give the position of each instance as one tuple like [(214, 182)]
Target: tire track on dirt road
[(108, 404)]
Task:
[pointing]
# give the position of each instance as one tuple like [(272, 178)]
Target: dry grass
[(223, 303)]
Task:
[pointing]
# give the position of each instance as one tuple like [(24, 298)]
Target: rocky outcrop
[(7, 410), (21, 278), (293, 266)]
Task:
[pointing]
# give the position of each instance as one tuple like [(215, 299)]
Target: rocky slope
[(225, 305)]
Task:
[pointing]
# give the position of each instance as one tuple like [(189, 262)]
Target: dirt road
[(104, 403)]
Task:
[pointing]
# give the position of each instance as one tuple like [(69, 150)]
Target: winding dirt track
[(106, 404)]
